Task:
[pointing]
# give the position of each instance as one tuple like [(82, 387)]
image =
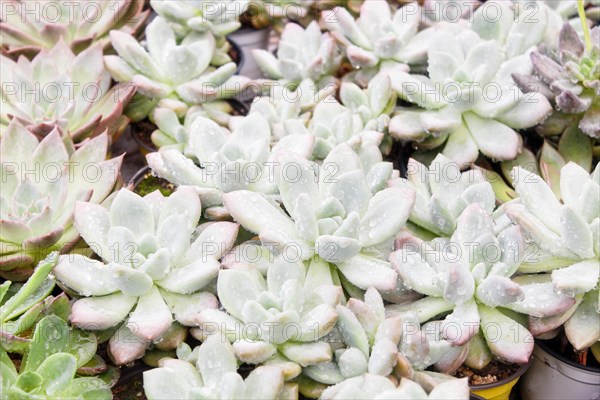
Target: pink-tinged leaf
[(583, 328), (99, 313), (506, 338), (151, 317), (125, 347), (462, 324)]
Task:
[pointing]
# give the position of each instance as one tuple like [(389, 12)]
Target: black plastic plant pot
[(500, 390), (237, 56), (554, 376), (141, 134)]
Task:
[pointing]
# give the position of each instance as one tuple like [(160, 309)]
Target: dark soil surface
[(493, 372)]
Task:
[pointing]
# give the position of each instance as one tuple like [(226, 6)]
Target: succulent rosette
[(302, 54), (64, 90), (570, 79), (378, 40), (464, 277), (458, 110), (280, 319), (154, 264), (567, 233), (28, 27), (343, 215), (216, 161), (210, 370), (42, 181), (171, 73)]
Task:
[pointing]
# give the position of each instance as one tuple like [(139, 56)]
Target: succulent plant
[(240, 160), (28, 27), (23, 305), (169, 73), (569, 78), (573, 146), (58, 89), (374, 105), (337, 212), (443, 193), (378, 40), (287, 109), (566, 231), (369, 342), (521, 26), (459, 110), (42, 181), (49, 370), (285, 316), (333, 124), (155, 262), (371, 386), (470, 276), (302, 53), (218, 17), (210, 371)]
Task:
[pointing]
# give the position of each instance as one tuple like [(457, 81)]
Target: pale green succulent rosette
[(374, 104), (171, 73), (469, 275), (281, 319), (458, 110), (378, 40), (521, 26), (302, 54), (210, 372), (31, 26), (59, 89), (371, 386), (218, 17), (443, 192), (566, 232), (343, 215), (215, 161), (42, 181), (155, 263)]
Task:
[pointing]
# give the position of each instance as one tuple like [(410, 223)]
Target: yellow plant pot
[(500, 390)]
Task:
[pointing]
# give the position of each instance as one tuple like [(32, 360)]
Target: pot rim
[(135, 136), (240, 55), (543, 344), (137, 177), (504, 381)]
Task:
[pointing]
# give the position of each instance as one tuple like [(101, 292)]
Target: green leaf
[(82, 345), (57, 372), (38, 286), (29, 381), (51, 336), (3, 289), (576, 146)]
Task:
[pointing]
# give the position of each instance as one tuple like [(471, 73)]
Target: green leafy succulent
[(49, 370)]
